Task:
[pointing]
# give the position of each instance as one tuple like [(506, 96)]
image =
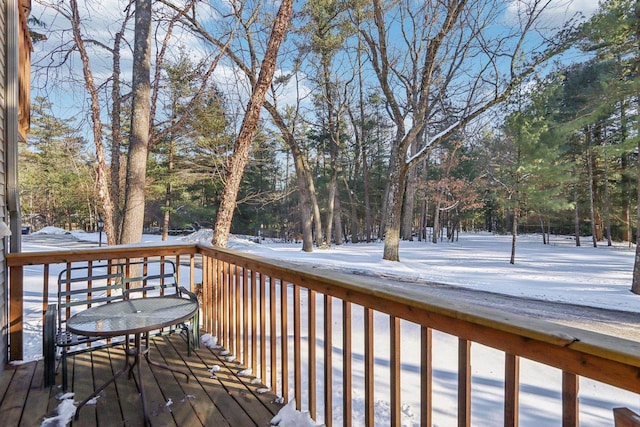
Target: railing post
[(16, 285)]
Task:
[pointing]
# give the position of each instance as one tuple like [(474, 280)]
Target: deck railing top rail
[(105, 253), (605, 358)]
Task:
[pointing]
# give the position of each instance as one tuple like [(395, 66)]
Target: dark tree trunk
[(592, 209), (133, 217), (337, 219), (576, 215), (635, 285)]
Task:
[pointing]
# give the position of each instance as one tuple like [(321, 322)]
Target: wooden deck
[(223, 400)]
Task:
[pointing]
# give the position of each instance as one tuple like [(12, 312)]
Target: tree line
[(334, 121)]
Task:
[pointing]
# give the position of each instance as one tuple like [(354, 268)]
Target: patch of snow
[(288, 416), (244, 373), (209, 340), (51, 230), (65, 412)]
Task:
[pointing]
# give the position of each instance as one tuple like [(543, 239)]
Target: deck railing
[(312, 335)]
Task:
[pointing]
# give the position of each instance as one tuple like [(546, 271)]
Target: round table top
[(132, 316)]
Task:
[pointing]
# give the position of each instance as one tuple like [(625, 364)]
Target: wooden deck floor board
[(185, 405), (12, 406), (38, 401), (83, 385), (203, 401), (233, 411)]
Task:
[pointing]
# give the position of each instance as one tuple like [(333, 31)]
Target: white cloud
[(556, 12)]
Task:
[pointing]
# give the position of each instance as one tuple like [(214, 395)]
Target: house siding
[(3, 143), (15, 68)]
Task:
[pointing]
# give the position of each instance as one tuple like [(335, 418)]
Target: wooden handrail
[(563, 347), (252, 305)]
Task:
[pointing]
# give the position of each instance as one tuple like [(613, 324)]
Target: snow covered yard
[(597, 277)]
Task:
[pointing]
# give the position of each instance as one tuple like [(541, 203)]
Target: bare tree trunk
[(576, 215), (351, 190), (607, 203), (133, 219), (116, 128), (627, 193), (436, 224), (102, 170), (167, 197), (423, 221), (635, 285), (337, 219), (592, 211), (304, 178), (331, 202), (409, 202), (238, 161), (355, 238), (393, 206), (516, 210), (514, 230), (368, 223), (544, 233)]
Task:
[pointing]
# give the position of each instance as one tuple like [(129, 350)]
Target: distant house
[(14, 125)]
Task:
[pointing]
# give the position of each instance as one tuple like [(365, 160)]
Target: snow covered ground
[(597, 277)]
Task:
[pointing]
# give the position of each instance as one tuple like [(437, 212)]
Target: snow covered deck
[(220, 398)]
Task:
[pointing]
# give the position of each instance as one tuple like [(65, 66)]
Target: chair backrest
[(150, 278), (81, 287)]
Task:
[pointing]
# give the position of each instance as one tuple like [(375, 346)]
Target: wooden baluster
[(511, 390), (464, 383), (312, 353), (297, 363), (284, 340), (328, 365), (570, 409), (369, 377), (263, 329), (347, 364), (273, 334), (426, 376), (254, 323), (394, 370)]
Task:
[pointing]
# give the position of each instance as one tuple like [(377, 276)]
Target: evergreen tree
[(56, 178)]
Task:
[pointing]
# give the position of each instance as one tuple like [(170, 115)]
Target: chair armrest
[(191, 295)]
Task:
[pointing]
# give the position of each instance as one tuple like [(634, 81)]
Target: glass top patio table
[(132, 316)]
